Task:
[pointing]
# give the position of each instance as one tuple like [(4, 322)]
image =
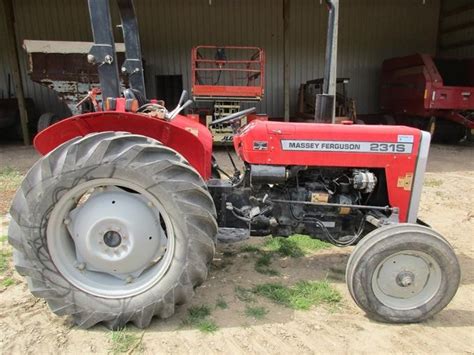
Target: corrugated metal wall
[(461, 35), (370, 31)]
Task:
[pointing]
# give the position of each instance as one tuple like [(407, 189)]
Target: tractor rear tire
[(128, 181), (47, 119), (402, 273)]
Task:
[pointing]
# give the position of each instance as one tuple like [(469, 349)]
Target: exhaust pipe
[(325, 109)]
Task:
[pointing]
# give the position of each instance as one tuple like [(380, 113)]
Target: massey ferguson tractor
[(118, 221)]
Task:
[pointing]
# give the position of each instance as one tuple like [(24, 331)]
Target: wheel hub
[(406, 280), (116, 232), (112, 239)]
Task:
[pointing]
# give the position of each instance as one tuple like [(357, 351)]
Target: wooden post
[(12, 50), (286, 59)]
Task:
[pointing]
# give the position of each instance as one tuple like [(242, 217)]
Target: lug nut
[(81, 266), (129, 279)]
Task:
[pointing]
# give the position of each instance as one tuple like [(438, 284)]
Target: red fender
[(189, 138)]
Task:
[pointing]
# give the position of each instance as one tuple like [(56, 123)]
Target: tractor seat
[(135, 95)]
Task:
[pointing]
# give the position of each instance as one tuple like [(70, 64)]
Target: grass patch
[(3, 239), (221, 303), (8, 282), (264, 260), (302, 295), (262, 265), (5, 256), (256, 312), (284, 247), (207, 326), (10, 179), (433, 182), (294, 246), (197, 313), (198, 316), (244, 294), (122, 341)]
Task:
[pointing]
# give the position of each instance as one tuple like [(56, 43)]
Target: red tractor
[(117, 222)]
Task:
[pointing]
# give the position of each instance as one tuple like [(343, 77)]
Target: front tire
[(402, 273), (112, 228)]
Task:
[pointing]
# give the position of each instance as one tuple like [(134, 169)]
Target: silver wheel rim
[(110, 238), (406, 280)]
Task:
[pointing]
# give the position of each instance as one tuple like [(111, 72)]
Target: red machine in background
[(224, 77), (435, 94)]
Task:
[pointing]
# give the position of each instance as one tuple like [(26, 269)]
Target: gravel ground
[(27, 326)]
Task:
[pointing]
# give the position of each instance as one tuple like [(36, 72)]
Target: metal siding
[(460, 35), (182, 24), (370, 31)]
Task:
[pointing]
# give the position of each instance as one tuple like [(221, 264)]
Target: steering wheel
[(233, 117)]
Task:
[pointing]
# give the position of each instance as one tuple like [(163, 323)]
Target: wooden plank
[(12, 50), (63, 47)]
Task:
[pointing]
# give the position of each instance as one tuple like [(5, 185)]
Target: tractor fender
[(188, 137)]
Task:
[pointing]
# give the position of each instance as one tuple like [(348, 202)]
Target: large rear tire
[(113, 228), (47, 119), (402, 273)]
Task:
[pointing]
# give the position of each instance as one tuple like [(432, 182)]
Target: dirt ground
[(27, 326)]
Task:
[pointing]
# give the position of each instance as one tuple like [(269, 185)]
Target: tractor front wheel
[(112, 228), (402, 273)]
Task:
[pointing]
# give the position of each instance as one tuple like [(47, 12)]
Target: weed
[(433, 182), (198, 317), (264, 260), (197, 313), (294, 246), (274, 291), (8, 282), (289, 247), (302, 295), (262, 265), (256, 312), (10, 179), (122, 341), (5, 256), (207, 326), (221, 303), (3, 239), (244, 294)]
